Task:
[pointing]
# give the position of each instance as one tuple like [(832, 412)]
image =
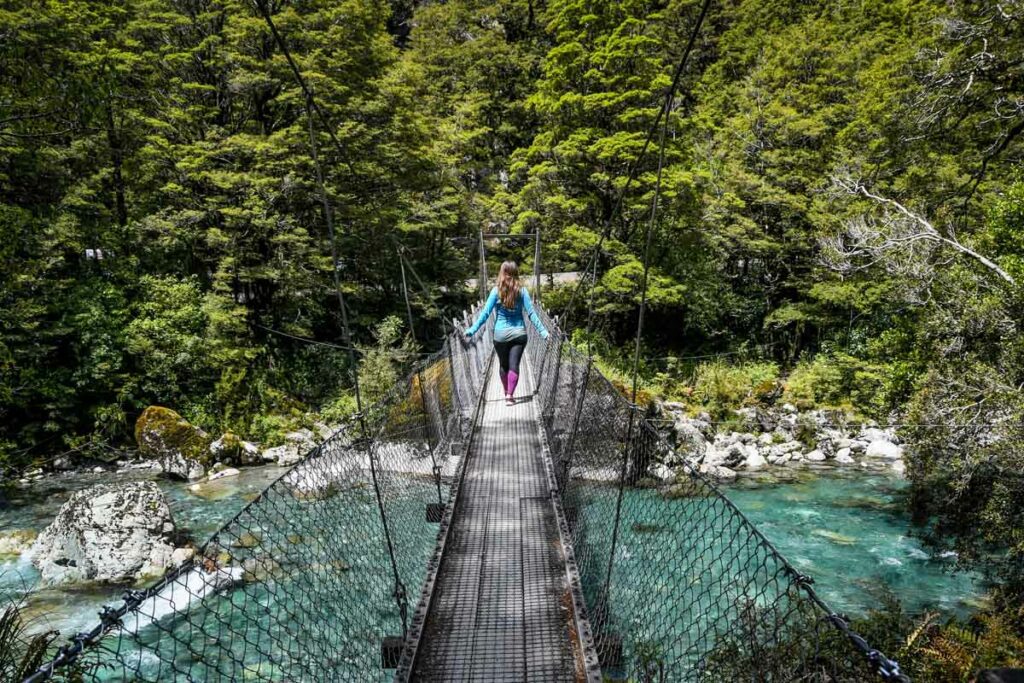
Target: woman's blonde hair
[(508, 284)]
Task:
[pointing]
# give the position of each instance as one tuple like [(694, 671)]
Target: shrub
[(965, 428), (812, 383), (379, 368), (338, 409), (720, 386), (808, 649), (839, 380)]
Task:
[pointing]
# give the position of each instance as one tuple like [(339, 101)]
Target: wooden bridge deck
[(501, 606)]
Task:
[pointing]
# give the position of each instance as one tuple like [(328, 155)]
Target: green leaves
[(169, 142)]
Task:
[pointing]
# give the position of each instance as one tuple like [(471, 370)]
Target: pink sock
[(504, 380), (513, 380)]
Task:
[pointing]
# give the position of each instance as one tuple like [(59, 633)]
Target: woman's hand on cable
[(469, 334), (544, 334)]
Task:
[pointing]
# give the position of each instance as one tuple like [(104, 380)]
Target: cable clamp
[(134, 597), (109, 616), (803, 579)]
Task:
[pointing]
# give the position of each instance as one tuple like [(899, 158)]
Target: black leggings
[(510, 353)]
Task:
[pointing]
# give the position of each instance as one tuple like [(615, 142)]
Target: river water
[(74, 610), (844, 528), (848, 530)]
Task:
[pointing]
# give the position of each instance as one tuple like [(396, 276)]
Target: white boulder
[(285, 455), (884, 450), (63, 463), (325, 431), (756, 461), (870, 434), (107, 534), (297, 445), (304, 439), (718, 472), (690, 439), (662, 472)]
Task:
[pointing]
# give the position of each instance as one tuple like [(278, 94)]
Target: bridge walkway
[(501, 608)]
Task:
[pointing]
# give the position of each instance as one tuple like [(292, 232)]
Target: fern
[(955, 652)]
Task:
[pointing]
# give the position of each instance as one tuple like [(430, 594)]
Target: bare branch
[(900, 239)]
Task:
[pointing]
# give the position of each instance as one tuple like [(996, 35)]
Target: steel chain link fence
[(311, 577), (678, 585)]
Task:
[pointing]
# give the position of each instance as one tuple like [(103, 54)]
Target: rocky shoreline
[(172, 446), (777, 437), (122, 532)]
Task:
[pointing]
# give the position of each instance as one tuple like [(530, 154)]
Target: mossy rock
[(246, 540), (261, 569), (227, 449), (162, 433)]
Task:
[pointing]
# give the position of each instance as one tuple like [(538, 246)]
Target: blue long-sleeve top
[(509, 323)]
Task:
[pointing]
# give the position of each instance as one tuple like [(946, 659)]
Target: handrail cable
[(420, 381), (627, 447), (329, 222), (399, 592)]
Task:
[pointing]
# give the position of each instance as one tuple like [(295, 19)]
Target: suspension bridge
[(443, 536)]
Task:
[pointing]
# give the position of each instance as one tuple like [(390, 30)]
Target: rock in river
[(107, 534), (718, 472), (815, 456), (297, 445), (232, 450), (181, 450), (885, 450), (16, 541)]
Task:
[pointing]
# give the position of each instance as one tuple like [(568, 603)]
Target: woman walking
[(510, 299)]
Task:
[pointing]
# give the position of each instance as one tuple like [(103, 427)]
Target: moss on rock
[(228, 448), (159, 430)]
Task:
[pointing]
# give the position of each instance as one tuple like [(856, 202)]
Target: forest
[(841, 222)]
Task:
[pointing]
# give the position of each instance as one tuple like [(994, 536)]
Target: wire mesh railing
[(310, 580), (678, 585)]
